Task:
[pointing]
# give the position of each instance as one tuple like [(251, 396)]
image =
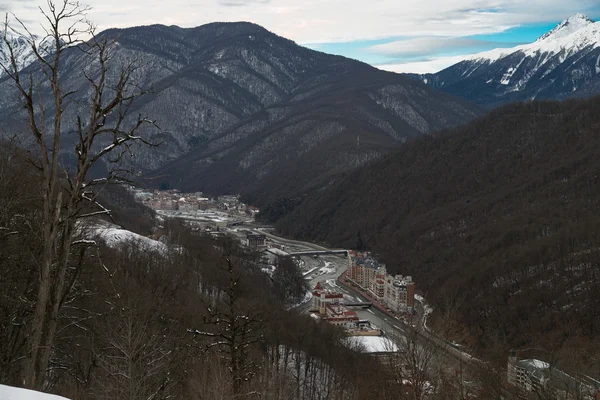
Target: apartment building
[(395, 292), (536, 376), (365, 271), (399, 293)]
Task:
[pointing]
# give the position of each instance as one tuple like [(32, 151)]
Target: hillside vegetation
[(242, 110), (498, 222)]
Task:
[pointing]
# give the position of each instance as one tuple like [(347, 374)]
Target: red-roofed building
[(339, 315), (328, 305)]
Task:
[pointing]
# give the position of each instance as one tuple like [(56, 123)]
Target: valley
[(254, 209)]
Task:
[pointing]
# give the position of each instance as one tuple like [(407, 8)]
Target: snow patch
[(115, 237), (327, 269), (268, 269), (536, 363), (307, 297), (373, 344), (13, 393)]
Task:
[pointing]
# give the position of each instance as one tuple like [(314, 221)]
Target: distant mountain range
[(562, 63), (244, 110)]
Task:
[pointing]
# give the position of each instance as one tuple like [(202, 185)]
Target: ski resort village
[(349, 289)]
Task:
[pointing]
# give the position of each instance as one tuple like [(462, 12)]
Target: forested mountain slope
[(341, 116), (245, 107), (498, 222)]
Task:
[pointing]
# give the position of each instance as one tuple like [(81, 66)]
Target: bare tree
[(413, 363), (233, 326), (67, 193)]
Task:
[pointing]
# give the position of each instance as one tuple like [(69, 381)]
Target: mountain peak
[(566, 27)]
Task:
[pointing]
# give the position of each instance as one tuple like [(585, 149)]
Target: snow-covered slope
[(570, 36), (562, 63), (13, 393), (21, 48), (115, 237)]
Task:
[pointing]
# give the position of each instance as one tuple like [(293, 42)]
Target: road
[(328, 268)]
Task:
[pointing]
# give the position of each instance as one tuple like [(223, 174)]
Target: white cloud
[(423, 67), (319, 21), (423, 45)]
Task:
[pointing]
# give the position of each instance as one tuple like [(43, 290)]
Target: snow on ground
[(537, 363), (116, 237), (373, 344), (13, 393), (327, 269), (307, 297), (426, 309), (268, 269)]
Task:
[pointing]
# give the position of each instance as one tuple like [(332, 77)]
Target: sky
[(397, 35)]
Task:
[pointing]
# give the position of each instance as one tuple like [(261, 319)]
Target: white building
[(399, 295)]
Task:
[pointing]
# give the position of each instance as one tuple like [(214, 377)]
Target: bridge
[(319, 252), (365, 304)]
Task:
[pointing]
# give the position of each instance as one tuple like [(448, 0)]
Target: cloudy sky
[(399, 35)]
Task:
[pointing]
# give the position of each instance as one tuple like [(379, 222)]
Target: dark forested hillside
[(337, 118), (243, 110), (498, 222)]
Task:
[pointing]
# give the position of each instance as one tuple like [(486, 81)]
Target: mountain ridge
[(560, 64), (243, 110)]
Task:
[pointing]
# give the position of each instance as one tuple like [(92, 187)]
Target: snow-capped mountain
[(562, 63), (21, 48)]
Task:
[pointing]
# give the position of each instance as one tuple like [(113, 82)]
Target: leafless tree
[(67, 193), (414, 362), (234, 328)]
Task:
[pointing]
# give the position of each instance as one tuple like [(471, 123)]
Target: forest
[(199, 321), (497, 222)]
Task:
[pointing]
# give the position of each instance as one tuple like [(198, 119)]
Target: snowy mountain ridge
[(568, 26), (563, 63), (571, 35), (21, 48)]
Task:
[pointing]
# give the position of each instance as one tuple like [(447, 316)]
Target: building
[(328, 305), (186, 206), (395, 292), (255, 240), (532, 375), (364, 270), (399, 293), (377, 287), (529, 375)]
